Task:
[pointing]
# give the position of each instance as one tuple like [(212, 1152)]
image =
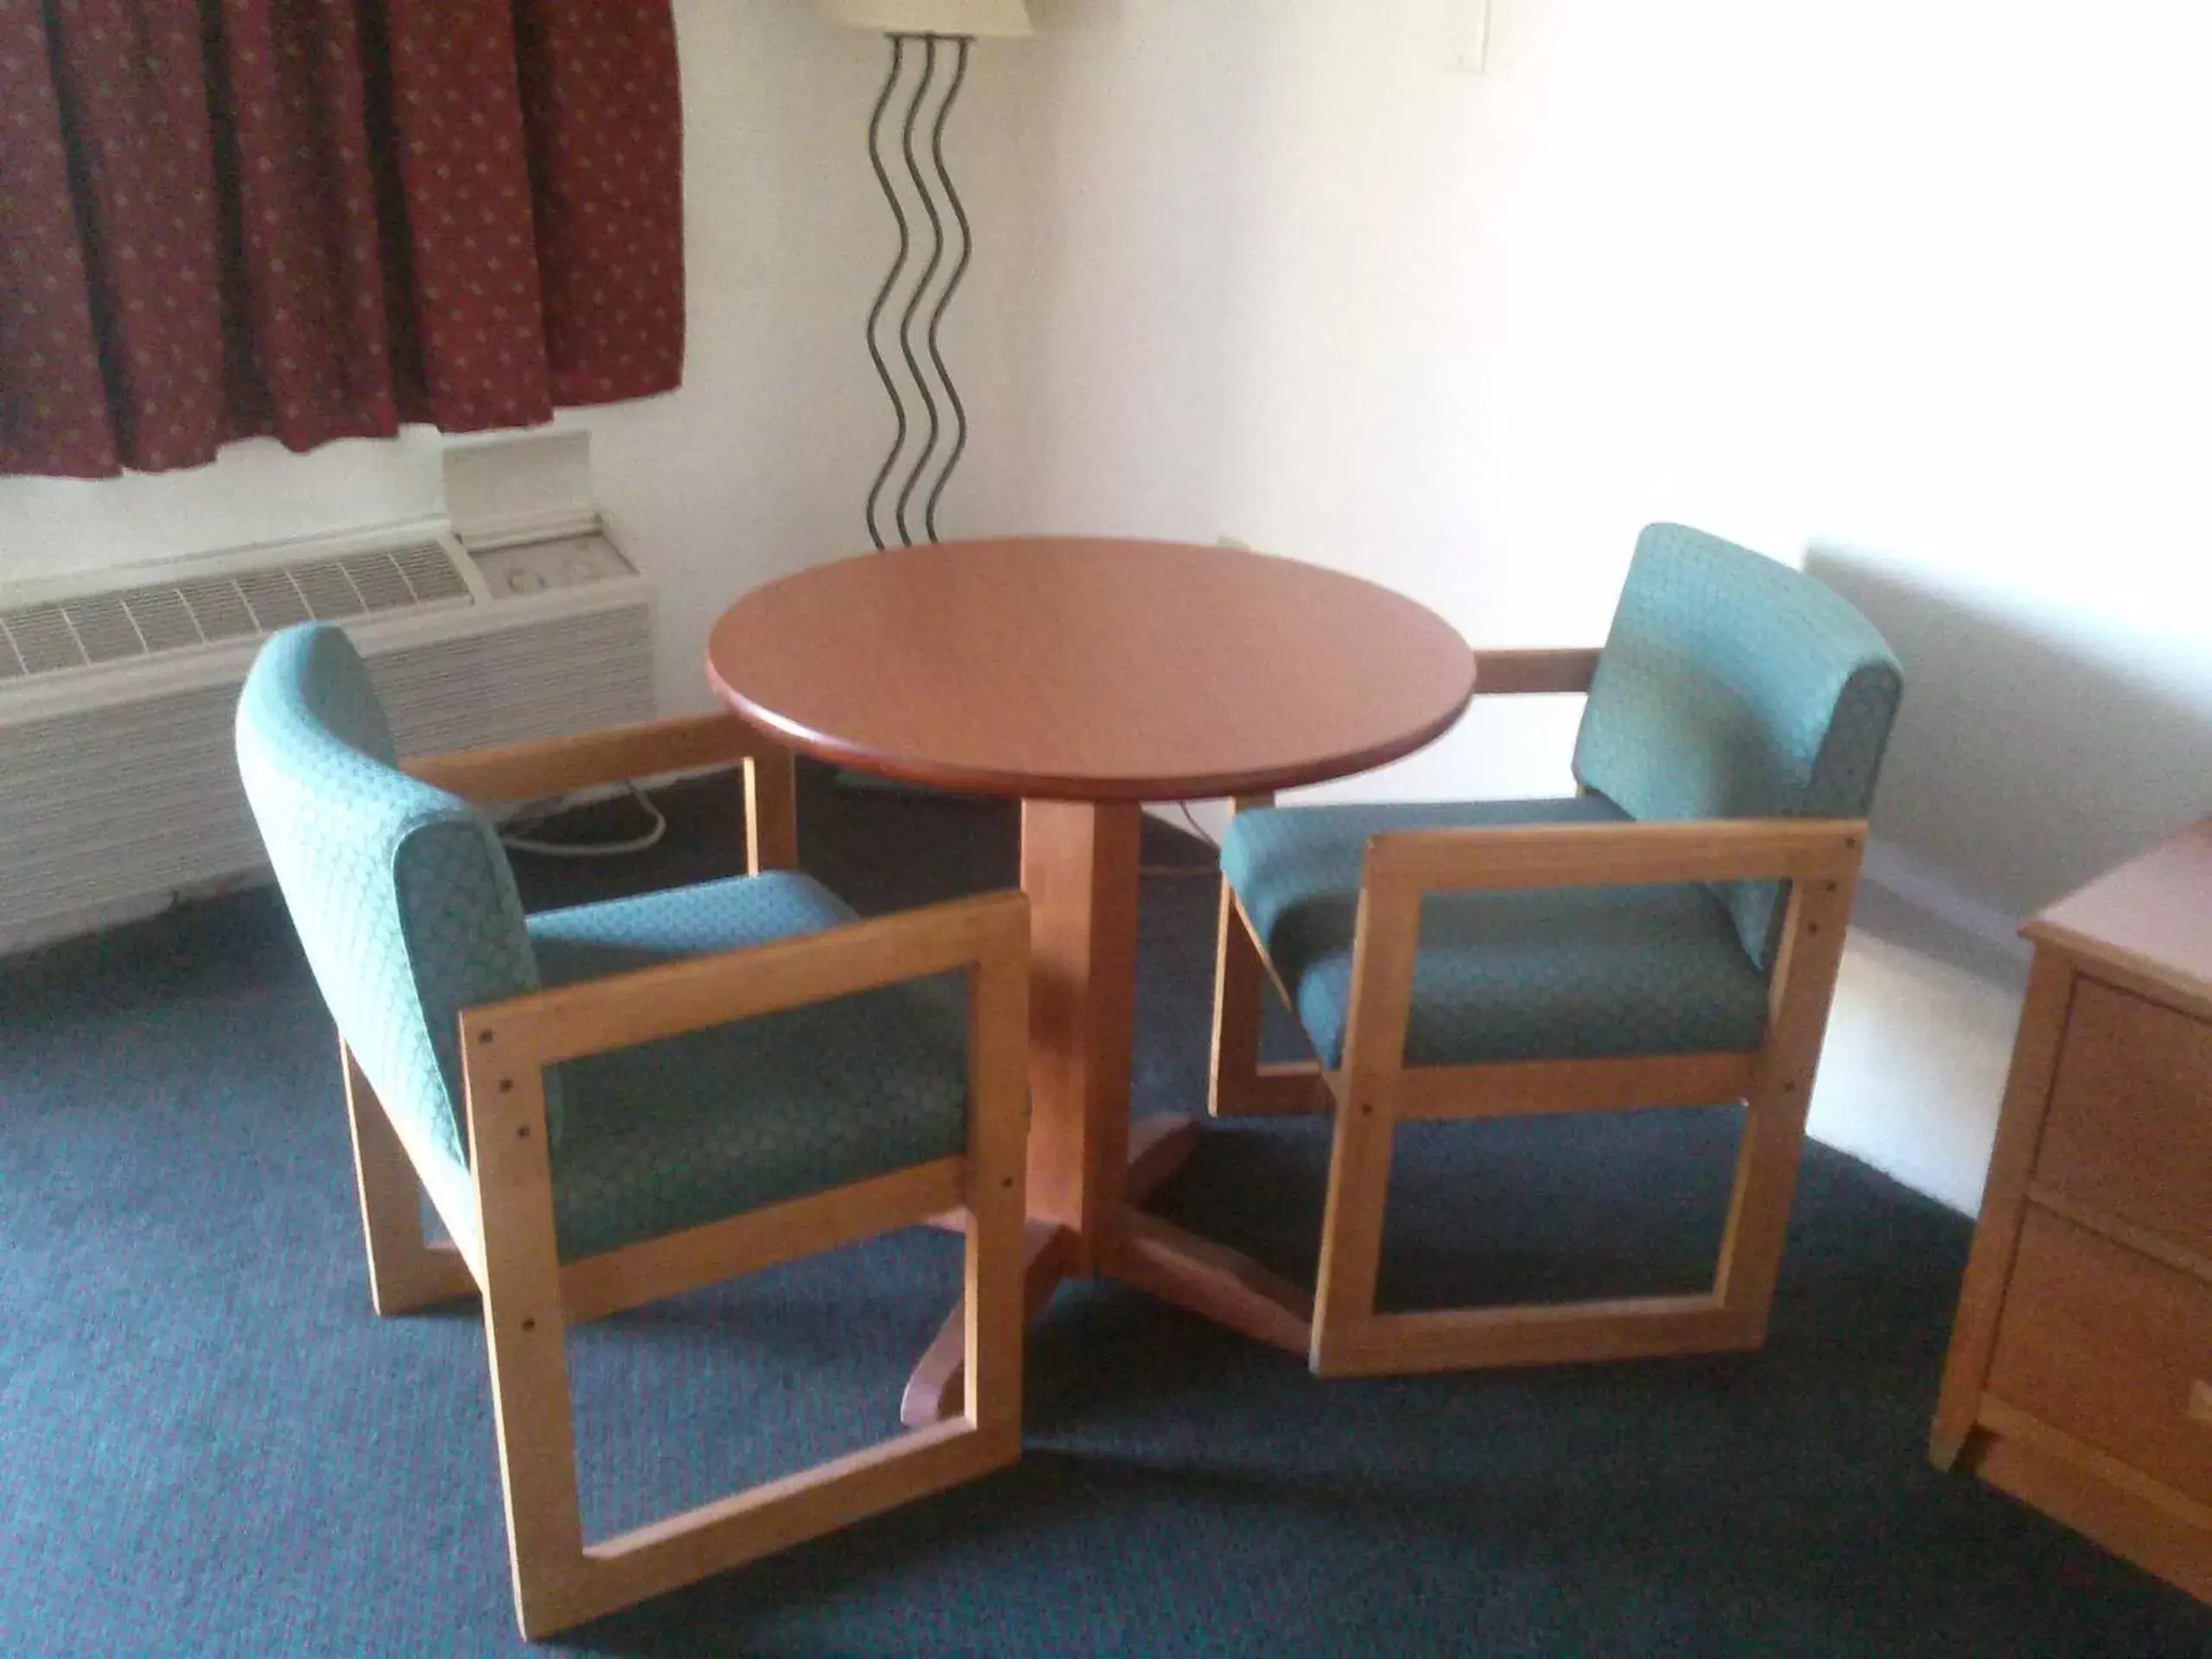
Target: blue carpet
[(208, 1446)]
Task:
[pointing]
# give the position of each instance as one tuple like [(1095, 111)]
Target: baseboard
[(1916, 879), (122, 912)]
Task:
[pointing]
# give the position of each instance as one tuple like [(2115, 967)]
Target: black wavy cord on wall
[(929, 275), (890, 282), (938, 197), (952, 288)]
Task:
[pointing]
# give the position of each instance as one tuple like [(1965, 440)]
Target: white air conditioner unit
[(118, 786)]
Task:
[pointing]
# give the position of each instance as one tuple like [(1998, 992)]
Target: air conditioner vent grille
[(151, 621), (430, 571), (42, 638)]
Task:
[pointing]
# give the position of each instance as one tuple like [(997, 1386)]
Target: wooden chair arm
[(1613, 854), (531, 1297), (1510, 673), (991, 933), (614, 754)]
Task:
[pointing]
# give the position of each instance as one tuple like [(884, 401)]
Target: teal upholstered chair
[(613, 1103), (1669, 936)]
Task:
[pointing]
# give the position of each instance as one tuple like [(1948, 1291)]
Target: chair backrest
[(1734, 687), (400, 892)]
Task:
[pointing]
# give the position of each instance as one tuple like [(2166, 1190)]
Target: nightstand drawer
[(2129, 1131), (2110, 1347)]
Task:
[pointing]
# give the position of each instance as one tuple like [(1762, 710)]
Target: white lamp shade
[(979, 17)]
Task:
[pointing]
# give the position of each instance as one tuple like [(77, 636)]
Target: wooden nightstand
[(2079, 1376)]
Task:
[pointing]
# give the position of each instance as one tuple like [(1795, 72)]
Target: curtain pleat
[(598, 141), (317, 219)]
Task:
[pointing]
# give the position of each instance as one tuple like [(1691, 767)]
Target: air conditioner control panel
[(541, 567)]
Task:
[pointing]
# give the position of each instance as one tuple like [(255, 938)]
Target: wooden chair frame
[(506, 1252), (615, 754), (1375, 1091)]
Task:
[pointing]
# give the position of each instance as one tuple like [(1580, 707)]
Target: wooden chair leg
[(1240, 1086), (995, 1264), (1011, 1264), (1803, 985), (1385, 938), (1239, 987), (770, 814), (1759, 1208), (525, 1331), (406, 1271), (938, 1387), (1352, 1230)]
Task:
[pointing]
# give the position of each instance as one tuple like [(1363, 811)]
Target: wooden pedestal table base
[(1084, 677), (1088, 1165), (934, 1392)]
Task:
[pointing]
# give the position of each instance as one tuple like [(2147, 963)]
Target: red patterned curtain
[(318, 218)]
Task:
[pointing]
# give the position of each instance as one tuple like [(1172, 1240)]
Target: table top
[(1078, 669), (2152, 915)]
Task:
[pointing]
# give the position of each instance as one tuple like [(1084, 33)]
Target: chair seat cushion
[(1567, 973), (689, 1130)]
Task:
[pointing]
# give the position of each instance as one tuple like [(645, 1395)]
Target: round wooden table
[(1086, 677)]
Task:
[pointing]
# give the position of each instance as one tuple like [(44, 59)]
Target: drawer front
[(2110, 1347), (2129, 1131)]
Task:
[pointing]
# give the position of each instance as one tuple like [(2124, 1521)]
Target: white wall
[(1912, 289), (1916, 287), (760, 464), (1922, 279)]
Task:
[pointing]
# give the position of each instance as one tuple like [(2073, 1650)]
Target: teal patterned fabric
[(1733, 687), (402, 896), (1730, 687), (676, 1133), (408, 912), (1569, 973)]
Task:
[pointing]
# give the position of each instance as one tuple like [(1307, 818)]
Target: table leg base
[(1158, 1147), (937, 1391), (1211, 1281), (1155, 1256)]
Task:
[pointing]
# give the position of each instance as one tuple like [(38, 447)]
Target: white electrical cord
[(1187, 871), (520, 840), (1197, 829)]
